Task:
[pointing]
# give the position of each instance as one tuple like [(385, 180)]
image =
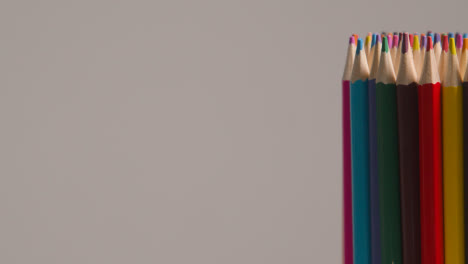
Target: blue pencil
[(360, 157), (373, 171)]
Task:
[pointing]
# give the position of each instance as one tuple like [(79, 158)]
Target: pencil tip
[(395, 40), (374, 38), (384, 44), (458, 41), (452, 46), (359, 46), (436, 38), (415, 43), (445, 43), (405, 40), (465, 35), (351, 40), (429, 43)]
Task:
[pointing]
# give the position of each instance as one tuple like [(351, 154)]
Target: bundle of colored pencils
[(405, 175)]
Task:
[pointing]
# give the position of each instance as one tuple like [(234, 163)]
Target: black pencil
[(408, 130)]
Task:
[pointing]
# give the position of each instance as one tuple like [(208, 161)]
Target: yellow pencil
[(452, 130)]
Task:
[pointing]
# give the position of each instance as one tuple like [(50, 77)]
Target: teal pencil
[(360, 157)]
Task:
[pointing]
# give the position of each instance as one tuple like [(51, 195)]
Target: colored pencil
[(388, 163), (443, 58), (407, 105), (405, 172), (452, 140), (430, 160), (464, 57), (346, 123), (373, 177), (360, 156), (458, 45), (437, 47)]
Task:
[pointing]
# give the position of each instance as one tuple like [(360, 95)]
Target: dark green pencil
[(388, 159)]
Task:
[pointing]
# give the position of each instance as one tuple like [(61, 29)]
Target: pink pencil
[(347, 193)]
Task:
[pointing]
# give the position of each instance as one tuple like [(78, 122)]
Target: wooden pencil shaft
[(347, 192), (388, 165), (407, 104), (360, 171), (373, 174), (453, 174), (431, 212)]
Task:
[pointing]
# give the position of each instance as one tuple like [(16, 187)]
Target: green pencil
[(388, 163)]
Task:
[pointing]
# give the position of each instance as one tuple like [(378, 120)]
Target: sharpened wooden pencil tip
[(384, 44), (452, 46), (416, 43), (405, 44), (374, 39), (458, 41), (429, 43), (359, 46), (445, 43), (436, 38)]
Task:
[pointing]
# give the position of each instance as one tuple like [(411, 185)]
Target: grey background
[(179, 131)]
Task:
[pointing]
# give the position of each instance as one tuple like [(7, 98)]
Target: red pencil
[(430, 161), (347, 189)]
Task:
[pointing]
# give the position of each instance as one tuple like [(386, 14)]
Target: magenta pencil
[(347, 186)]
